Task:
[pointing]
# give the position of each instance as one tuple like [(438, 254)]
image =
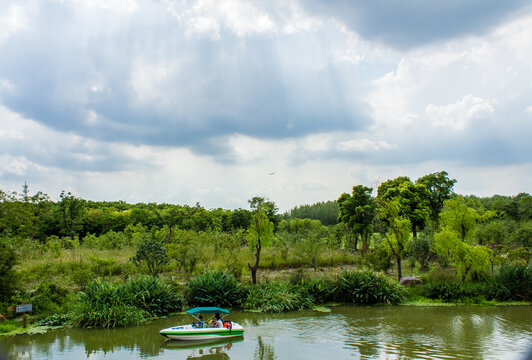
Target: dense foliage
[(215, 289), (419, 227), (108, 304)]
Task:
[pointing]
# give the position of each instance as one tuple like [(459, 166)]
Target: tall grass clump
[(107, 304), (277, 297), (215, 288), (154, 296), (366, 287), (513, 282), (320, 289)]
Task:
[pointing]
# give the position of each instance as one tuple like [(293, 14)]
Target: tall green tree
[(411, 199), (439, 188), (395, 228), (357, 212), (260, 232), (71, 209)]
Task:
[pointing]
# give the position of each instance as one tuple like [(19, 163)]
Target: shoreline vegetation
[(110, 264)]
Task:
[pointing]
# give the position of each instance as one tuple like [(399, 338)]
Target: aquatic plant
[(513, 282), (277, 297), (215, 288), (107, 304), (366, 287)]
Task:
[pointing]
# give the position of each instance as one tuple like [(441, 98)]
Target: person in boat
[(199, 324), (217, 323)]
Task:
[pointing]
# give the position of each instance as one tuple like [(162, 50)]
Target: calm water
[(344, 333)]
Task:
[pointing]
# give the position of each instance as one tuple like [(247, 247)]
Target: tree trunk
[(399, 270), (255, 267), (356, 241), (365, 245), (414, 231)]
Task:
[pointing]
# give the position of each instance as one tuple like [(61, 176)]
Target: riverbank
[(141, 299)]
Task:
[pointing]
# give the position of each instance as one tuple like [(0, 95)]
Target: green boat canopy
[(207, 310)]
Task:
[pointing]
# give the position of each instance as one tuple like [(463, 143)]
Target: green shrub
[(452, 291), (513, 282), (109, 304), (107, 315), (319, 289), (49, 298), (379, 258), (154, 296), (366, 287), (277, 297), (215, 288), (8, 276), (9, 325)]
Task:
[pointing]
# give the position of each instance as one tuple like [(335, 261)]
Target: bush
[(108, 304), (379, 258), (320, 290), (8, 276), (215, 288), (456, 291), (9, 325), (366, 287), (513, 282), (154, 296), (277, 297), (49, 298), (151, 255)]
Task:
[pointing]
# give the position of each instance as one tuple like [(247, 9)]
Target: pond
[(347, 332)]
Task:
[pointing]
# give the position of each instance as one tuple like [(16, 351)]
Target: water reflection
[(345, 332)]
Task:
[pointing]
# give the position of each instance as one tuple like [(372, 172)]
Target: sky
[(217, 101)]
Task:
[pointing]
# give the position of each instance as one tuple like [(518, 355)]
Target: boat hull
[(187, 332)]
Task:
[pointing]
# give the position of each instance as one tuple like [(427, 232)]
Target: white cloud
[(459, 115), (12, 20), (208, 16)]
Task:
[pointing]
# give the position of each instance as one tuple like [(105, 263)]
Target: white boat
[(191, 332)]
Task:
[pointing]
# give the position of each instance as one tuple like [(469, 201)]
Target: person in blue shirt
[(199, 324)]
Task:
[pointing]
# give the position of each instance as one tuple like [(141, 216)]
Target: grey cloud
[(410, 23), (211, 89)]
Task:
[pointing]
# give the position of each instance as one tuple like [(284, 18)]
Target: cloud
[(459, 114), (405, 24), (155, 80)]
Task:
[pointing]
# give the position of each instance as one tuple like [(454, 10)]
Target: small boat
[(192, 332)]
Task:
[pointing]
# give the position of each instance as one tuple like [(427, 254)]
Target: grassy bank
[(117, 302)]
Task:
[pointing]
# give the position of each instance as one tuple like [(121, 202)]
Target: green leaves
[(107, 304), (151, 255), (215, 289)]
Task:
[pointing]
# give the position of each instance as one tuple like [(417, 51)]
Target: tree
[(357, 212), (439, 188), (257, 203), (184, 249), (310, 245), (460, 218), (395, 228), (260, 231), (152, 255), (71, 209), (411, 200), (459, 224), (8, 276)]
